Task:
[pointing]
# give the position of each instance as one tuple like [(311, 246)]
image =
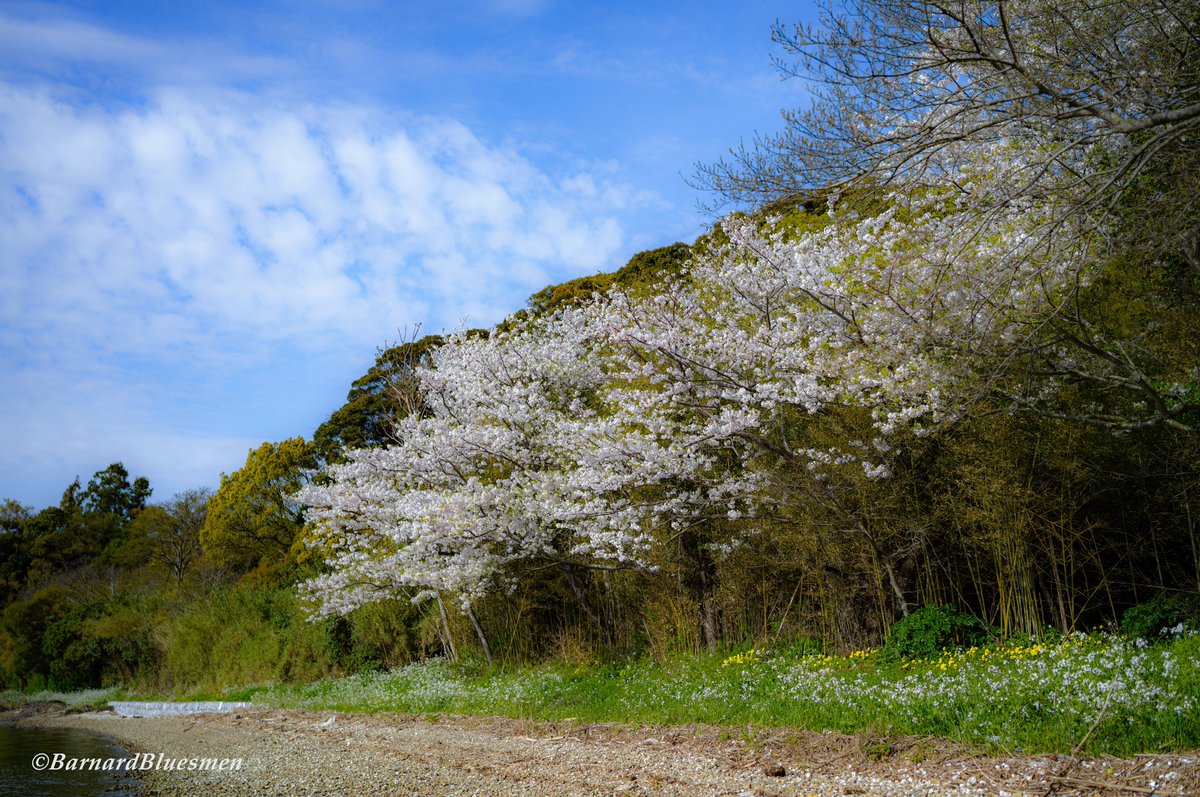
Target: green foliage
[(110, 492), (647, 271), (67, 645), (13, 516), (644, 272), (166, 537), (927, 631), (14, 564), (253, 520), (26, 623), (376, 399), (57, 540), (126, 630), (569, 294), (240, 636), (1148, 620), (377, 636), (75, 657)]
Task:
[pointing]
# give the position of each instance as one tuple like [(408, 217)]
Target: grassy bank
[(1100, 693), (1112, 695), (81, 699)]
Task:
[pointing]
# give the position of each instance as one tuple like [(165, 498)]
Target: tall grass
[(241, 636)]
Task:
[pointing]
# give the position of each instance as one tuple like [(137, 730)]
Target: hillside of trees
[(942, 348)]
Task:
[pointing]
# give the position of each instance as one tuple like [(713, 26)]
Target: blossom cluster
[(587, 437)]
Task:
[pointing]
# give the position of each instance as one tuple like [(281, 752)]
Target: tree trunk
[(581, 595), (701, 579), (487, 649), (447, 638), (708, 611), (901, 601)]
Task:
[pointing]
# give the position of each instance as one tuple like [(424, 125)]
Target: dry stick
[(1100, 784), (1061, 776), (1095, 725), (783, 618)]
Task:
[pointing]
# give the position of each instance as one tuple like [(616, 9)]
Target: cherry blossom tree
[(584, 439), (1095, 92), (1096, 108), (904, 314), (971, 156), (531, 451)]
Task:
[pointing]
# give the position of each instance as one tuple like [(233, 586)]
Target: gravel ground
[(303, 753)]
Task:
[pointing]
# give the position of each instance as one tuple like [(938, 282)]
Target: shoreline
[(289, 752), (31, 731)]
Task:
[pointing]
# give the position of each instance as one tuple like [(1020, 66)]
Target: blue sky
[(212, 214)]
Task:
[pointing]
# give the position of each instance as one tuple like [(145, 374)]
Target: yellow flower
[(741, 658)]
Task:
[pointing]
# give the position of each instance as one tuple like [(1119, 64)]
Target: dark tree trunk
[(700, 577), (579, 582)]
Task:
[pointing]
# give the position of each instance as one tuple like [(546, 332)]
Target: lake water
[(18, 746)]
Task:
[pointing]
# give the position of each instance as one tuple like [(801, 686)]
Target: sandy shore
[(302, 753)]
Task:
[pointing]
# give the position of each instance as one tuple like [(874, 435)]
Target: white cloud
[(274, 221), (59, 44), (58, 39), (212, 230)]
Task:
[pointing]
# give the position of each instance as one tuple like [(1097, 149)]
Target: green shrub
[(927, 631), (1148, 620), (241, 636)]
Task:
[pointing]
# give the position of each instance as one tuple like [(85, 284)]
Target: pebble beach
[(322, 753)]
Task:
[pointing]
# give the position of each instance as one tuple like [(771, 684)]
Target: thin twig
[(1101, 784)]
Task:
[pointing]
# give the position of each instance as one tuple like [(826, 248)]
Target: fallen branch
[(1100, 784)]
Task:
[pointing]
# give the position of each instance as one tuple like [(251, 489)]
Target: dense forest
[(942, 348)]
